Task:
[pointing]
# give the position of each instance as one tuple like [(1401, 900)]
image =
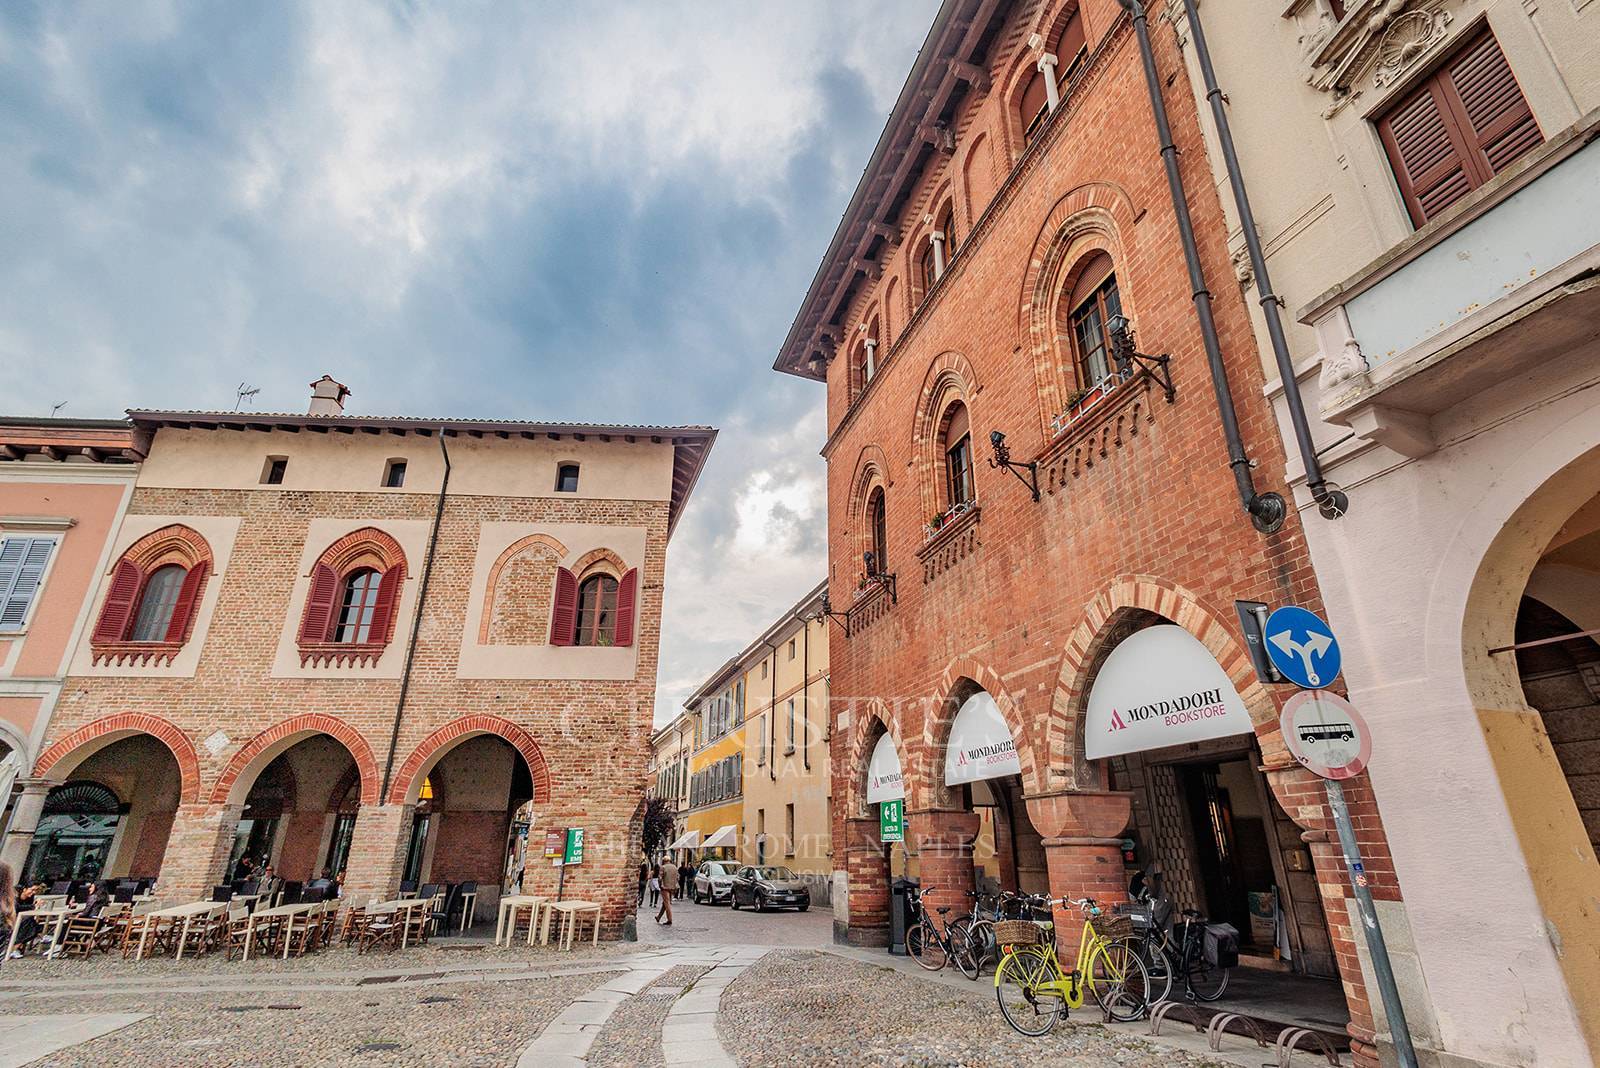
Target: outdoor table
[(469, 902), (59, 913), (570, 911), (506, 924), (282, 912), (407, 905), (186, 913), (249, 901)]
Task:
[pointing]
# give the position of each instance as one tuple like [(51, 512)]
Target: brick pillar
[(1082, 833), (944, 856), (861, 918), (24, 821), (377, 852), (197, 851)]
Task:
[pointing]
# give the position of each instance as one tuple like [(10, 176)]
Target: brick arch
[(175, 544), (864, 735), (1095, 217), (1087, 645), (261, 749), (367, 546), (963, 676), (429, 751), (1048, 23), (949, 377), (92, 737), (491, 588), (600, 559), (871, 471)]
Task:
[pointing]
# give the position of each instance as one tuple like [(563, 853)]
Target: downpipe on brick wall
[(1267, 510), (416, 621), (1331, 501)]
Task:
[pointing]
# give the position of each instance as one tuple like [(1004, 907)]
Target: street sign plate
[(574, 846), (1302, 647), (892, 820), (1325, 733)]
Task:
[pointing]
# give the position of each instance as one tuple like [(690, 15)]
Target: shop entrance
[(1233, 850)]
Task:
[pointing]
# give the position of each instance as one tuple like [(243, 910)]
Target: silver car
[(713, 882), (770, 887)]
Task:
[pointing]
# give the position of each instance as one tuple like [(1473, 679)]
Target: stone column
[(862, 918), (197, 851), (1082, 832), (377, 852), (937, 237), (944, 854), (871, 345), (24, 821), (1052, 92)]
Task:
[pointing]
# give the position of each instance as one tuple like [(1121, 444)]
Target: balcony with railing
[(1507, 279)]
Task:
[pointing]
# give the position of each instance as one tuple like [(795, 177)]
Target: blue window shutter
[(22, 563)]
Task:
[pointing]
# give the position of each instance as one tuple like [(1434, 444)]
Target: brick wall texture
[(1139, 512)]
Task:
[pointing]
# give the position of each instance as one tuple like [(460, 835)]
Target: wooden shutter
[(387, 605), (183, 612), (22, 563), (564, 611), (317, 623), (1456, 130), (117, 612), (627, 596), (1069, 48)]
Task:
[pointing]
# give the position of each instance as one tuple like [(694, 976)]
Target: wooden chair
[(197, 939), (355, 919), (302, 930), (418, 923), (237, 927), (81, 936), (134, 929), (380, 928), (330, 923)]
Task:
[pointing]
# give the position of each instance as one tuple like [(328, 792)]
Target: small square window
[(272, 473), (567, 478), (394, 474)]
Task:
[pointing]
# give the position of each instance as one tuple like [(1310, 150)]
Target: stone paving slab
[(28, 1038)]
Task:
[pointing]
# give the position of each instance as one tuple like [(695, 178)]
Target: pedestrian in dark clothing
[(655, 883), (685, 877), (644, 877)]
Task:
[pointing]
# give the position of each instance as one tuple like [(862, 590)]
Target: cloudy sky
[(584, 211)]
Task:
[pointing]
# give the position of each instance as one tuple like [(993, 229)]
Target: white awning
[(981, 746), (884, 780), (687, 840), (1160, 687), (726, 835)]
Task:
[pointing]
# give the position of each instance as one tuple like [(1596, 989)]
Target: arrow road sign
[(1302, 647)]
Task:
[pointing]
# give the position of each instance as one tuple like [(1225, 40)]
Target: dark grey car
[(769, 887)]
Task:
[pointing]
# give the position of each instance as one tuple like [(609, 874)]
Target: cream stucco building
[(1425, 181)]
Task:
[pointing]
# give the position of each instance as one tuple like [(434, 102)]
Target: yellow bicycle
[(1033, 989)]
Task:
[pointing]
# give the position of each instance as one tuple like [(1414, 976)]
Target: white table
[(506, 924), (469, 905), (403, 908), (570, 911), (282, 912), (187, 913), (59, 914)]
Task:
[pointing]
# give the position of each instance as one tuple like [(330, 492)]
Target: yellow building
[(713, 823)]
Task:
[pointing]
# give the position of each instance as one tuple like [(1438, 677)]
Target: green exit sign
[(892, 820), (574, 854)]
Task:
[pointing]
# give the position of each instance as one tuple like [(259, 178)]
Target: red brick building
[(401, 649), (1014, 213)]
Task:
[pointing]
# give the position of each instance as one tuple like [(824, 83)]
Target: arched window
[(153, 598), (946, 225), (598, 608), (353, 599), (1093, 303), (1071, 51), (927, 269), (878, 525), (957, 443), (1033, 107)]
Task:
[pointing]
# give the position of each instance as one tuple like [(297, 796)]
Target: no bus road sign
[(1325, 733)]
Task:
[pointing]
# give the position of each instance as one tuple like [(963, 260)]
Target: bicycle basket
[(1017, 933), (1137, 915), (1113, 927)]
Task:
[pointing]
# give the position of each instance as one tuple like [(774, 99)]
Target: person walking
[(685, 876), (644, 877), (655, 884), (669, 887)]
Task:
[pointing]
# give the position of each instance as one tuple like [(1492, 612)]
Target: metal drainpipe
[(416, 622), (1267, 510), (805, 692), (1332, 503), (772, 716)]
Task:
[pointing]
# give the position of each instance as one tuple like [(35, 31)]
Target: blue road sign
[(1302, 647)]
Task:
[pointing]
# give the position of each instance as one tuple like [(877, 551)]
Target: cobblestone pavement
[(720, 925), (798, 1007), (633, 1038)]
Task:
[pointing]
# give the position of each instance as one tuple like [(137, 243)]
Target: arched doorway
[(110, 817), (293, 820)]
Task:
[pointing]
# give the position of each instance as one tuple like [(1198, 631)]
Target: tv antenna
[(244, 393), (55, 408)]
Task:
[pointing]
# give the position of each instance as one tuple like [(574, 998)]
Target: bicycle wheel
[(1016, 981), (1119, 981), (983, 946), (1157, 966), (963, 950), (924, 947), (1206, 981)]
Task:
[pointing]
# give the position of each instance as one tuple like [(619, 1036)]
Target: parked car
[(765, 888), (713, 882)]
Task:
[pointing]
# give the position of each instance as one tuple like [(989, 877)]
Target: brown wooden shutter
[(183, 612), (386, 607), (564, 611), (1456, 130), (1068, 48), (117, 612), (627, 597), (317, 623)]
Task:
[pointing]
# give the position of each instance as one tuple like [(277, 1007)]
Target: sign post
[(570, 853), (892, 820), (1326, 734)]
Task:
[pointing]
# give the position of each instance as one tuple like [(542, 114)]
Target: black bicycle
[(933, 947), (1171, 949)]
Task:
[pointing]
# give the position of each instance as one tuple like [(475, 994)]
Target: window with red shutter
[(183, 612), (153, 598), (627, 598), (1458, 129), (564, 609), (117, 613), (352, 602), (316, 624)]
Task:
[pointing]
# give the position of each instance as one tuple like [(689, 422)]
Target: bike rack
[(1216, 1024), (1289, 1040), (1219, 1025), (1159, 1014)]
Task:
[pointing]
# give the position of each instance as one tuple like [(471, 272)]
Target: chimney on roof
[(327, 397)]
